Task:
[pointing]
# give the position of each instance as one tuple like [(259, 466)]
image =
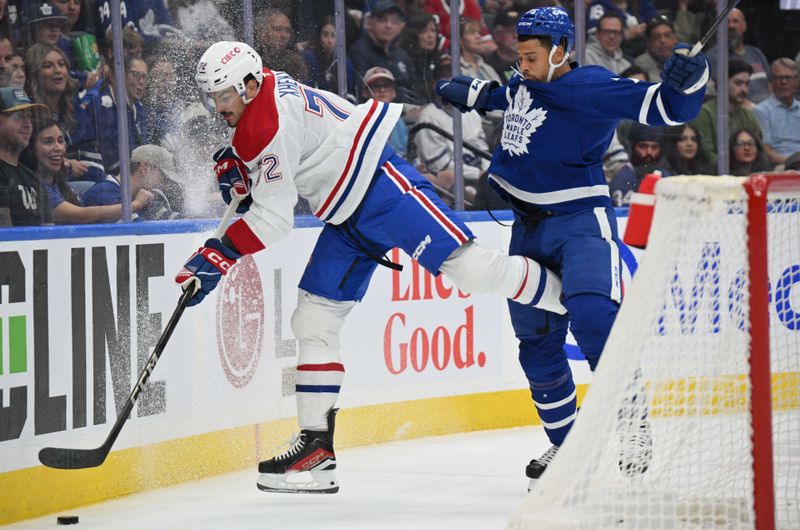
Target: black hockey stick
[(704, 39), (65, 458)]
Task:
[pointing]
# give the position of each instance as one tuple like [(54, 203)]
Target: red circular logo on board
[(240, 322)]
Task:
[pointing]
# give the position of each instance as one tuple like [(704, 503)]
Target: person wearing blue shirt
[(559, 121)]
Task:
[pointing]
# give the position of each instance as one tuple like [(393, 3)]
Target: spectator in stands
[(692, 18), (435, 152), (681, 152), (320, 59), (161, 178), (149, 18), (6, 53), (737, 25), (146, 173), (17, 70), (71, 9), (378, 46), (504, 33), (660, 40), (779, 115), (635, 13), (274, 38), (48, 82), (5, 18), (42, 24), (99, 140), (645, 155), (379, 85), (472, 63), (605, 50), (470, 10), (747, 154), (45, 156), (421, 41), (739, 117), (23, 199), (624, 127)]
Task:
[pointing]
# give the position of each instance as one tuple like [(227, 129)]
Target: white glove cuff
[(700, 83)]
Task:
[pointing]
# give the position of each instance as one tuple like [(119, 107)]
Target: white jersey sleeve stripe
[(648, 100), (663, 111)]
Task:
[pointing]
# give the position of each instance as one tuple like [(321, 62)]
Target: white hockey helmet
[(227, 64)]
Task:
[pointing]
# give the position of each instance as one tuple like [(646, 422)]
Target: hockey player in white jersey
[(292, 140), (559, 121)]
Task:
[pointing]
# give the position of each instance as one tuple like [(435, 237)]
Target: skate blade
[(306, 482)]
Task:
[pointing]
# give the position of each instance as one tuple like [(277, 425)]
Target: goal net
[(677, 370)]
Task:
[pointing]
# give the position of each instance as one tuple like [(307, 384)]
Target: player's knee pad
[(316, 324), (591, 318), (476, 270)]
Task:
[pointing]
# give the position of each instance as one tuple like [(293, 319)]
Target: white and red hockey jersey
[(297, 140)]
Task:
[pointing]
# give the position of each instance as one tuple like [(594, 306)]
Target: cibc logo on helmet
[(230, 55)]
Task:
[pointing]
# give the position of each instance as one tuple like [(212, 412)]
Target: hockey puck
[(67, 519)]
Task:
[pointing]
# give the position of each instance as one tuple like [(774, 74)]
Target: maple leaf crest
[(520, 122)]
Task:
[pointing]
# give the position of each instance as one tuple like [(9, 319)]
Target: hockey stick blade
[(65, 458), (62, 458)]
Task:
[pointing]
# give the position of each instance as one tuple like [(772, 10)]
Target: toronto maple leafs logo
[(520, 122)]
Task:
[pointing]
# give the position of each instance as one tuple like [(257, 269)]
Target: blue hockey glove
[(232, 177), (205, 268), (683, 73), (466, 93)]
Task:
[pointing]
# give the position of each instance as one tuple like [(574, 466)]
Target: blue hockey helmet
[(553, 22)]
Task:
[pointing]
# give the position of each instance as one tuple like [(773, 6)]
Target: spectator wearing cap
[(645, 157), (379, 85), (739, 116), (151, 167), (634, 13), (504, 33), (378, 46), (661, 38), (779, 114), (42, 24), (759, 82), (605, 51), (23, 198), (45, 155)]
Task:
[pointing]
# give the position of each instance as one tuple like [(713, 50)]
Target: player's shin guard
[(556, 403), (478, 270), (307, 466)]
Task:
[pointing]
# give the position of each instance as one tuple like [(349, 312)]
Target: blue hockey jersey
[(555, 134)]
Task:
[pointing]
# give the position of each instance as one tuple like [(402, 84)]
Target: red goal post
[(706, 346)]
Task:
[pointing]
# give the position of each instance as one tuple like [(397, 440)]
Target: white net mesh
[(675, 368)]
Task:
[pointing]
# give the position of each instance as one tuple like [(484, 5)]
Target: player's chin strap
[(554, 66)]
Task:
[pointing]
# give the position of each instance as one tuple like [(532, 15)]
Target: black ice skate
[(535, 469), (306, 467), (636, 449)]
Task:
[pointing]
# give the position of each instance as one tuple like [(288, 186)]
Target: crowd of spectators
[(60, 150)]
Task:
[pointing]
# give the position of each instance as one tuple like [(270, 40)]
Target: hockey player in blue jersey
[(559, 120)]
